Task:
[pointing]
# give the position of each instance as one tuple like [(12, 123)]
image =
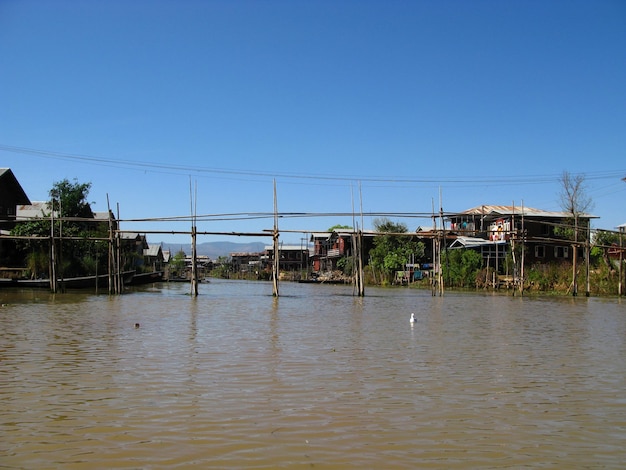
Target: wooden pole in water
[(443, 240), (433, 280), (575, 256), (513, 235), (52, 270), (359, 243), (111, 259), (521, 284), (276, 260), (194, 258), (118, 257), (621, 263), (587, 260), (355, 262)]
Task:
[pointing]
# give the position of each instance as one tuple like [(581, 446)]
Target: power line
[(186, 169)]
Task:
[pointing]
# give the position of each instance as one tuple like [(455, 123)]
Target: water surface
[(236, 378)]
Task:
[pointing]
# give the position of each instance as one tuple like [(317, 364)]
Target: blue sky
[(379, 104)]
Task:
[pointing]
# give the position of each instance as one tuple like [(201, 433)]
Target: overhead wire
[(372, 181)]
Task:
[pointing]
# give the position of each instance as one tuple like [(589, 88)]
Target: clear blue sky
[(485, 102)]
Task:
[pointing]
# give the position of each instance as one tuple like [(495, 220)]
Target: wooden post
[(442, 242), (587, 260), (434, 281), (118, 256), (359, 243), (276, 265), (521, 284), (575, 257), (621, 262), (513, 236), (355, 274), (110, 257), (194, 257), (53, 262)]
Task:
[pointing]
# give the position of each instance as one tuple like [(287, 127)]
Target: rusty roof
[(495, 210)]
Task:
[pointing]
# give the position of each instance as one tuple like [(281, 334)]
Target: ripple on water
[(237, 378)]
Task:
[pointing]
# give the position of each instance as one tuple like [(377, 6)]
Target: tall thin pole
[(575, 257), (513, 236), (360, 248), (194, 258), (276, 268), (53, 261), (118, 255), (521, 284), (587, 260), (621, 263), (355, 270), (111, 258), (434, 281), (443, 240)]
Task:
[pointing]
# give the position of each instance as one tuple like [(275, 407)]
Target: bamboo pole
[(587, 261), (621, 264), (575, 257), (52, 270), (521, 284), (111, 259), (513, 236), (276, 267), (118, 257), (433, 281), (442, 241), (361, 285), (194, 257), (353, 242)]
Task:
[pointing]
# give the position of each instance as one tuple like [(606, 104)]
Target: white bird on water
[(413, 319)]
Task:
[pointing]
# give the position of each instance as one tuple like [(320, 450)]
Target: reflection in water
[(237, 378)]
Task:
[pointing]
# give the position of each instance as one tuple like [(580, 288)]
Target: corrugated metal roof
[(37, 209), (152, 250), (492, 210), (469, 242)]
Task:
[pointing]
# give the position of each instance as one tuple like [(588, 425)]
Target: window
[(540, 251), (561, 251)]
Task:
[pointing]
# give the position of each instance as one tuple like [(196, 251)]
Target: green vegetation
[(73, 221), (391, 251), (460, 268)]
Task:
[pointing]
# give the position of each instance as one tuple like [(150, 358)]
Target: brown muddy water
[(317, 378)]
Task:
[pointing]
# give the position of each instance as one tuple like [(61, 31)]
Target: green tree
[(73, 218), (393, 248), (339, 227), (177, 263), (70, 199), (603, 241), (461, 266)]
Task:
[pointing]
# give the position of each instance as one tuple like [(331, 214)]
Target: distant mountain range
[(215, 249)]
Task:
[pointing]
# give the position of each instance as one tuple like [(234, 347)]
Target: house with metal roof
[(330, 247), (544, 233)]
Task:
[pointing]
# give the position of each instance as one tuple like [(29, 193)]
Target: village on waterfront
[(61, 244)]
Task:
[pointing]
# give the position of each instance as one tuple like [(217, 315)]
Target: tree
[(461, 267), (70, 199), (603, 241), (339, 227), (575, 202), (80, 257), (393, 249)]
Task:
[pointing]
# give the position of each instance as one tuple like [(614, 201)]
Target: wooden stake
[(276, 268)]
